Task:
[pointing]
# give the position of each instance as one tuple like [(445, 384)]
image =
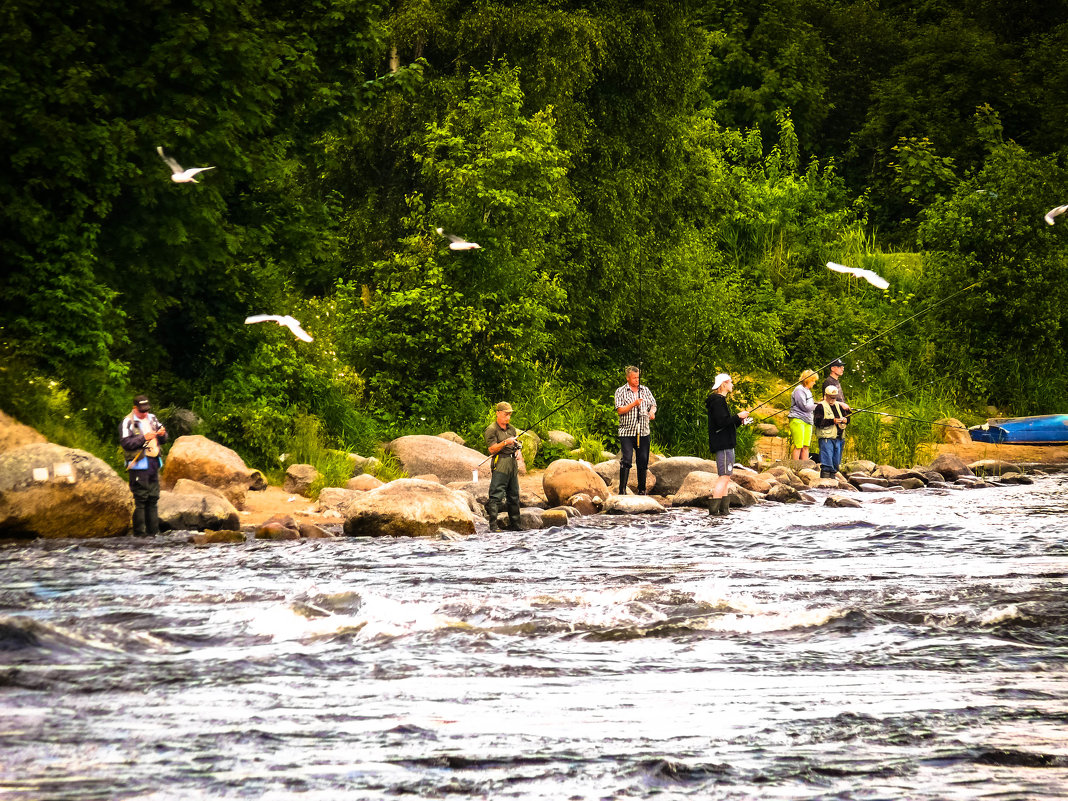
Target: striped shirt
[(635, 423)]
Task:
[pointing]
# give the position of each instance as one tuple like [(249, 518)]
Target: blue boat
[(1043, 429)]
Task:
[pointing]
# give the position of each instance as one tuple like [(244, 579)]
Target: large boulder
[(567, 477), (47, 490), (299, 479), (696, 489), (187, 511), (333, 499), (452, 436), (14, 434), (740, 496), (950, 465), (186, 486), (420, 454), (671, 473), (993, 467), (479, 492), (609, 473), (210, 463), (408, 508)]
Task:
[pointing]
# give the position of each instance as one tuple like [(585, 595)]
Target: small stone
[(841, 502)]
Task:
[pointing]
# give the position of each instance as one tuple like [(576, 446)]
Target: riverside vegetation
[(648, 183)]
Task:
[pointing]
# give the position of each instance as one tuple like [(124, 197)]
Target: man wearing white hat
[(830, 420), (722, 439)]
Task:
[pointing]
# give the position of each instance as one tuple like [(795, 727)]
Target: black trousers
[(145, 489), (628, 446)]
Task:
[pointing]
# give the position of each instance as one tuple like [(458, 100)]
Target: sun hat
[(720, 378)]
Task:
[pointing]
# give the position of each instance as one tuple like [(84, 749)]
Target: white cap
[(831, 390), (720, 378)]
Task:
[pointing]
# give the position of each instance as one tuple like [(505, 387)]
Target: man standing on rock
[(635, 406), (140, 436), (504, 447)]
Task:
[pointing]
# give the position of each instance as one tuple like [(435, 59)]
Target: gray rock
[(530, 519), (841, 502), (872, 488), (909, 483), (632, 505), (407, 507), (78, 494), (299, 479), (783, 493), (200, 459), (993, 467), (421, 454), (859, 466), (333, 499), (950, 465), (671, 473), (196, 512), (562, 438)]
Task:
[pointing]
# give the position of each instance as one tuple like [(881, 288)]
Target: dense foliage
[(650, 183)]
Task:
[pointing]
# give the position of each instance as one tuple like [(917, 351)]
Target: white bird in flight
[(1057, 212), (178, 175), (872, 278), (458, 244), (285, 320)]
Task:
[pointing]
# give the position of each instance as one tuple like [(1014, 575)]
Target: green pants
[(504, 486)]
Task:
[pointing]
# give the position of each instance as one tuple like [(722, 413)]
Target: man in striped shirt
[(635, 406)]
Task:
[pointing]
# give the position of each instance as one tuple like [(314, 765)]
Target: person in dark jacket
[(140, 436), (722, 438)]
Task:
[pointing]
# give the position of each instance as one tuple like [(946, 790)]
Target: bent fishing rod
[(868, 342)]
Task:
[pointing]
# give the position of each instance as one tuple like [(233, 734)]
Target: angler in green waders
[(502, 442)]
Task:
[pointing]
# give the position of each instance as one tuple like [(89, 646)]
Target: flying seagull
[(873, 279), (285, 320), (178, 175), (458, 244), (1057, 212)]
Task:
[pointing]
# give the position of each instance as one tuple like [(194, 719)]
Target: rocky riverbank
[(50, 491)]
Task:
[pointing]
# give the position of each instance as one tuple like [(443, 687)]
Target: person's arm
[(808, 403), (817, 418), (720, 416)]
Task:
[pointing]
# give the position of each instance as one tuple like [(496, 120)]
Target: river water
[(915, 649)]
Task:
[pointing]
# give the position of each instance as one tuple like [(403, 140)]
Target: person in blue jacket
[(140, 436)]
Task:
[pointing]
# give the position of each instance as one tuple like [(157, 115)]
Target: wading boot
[(713, 507), (641, 480), (624, 476), (725, 506), (491, 513)]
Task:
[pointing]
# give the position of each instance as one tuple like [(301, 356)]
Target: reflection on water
[(907, 650)]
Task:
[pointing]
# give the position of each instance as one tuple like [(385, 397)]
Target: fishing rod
[(879, 402), (906, 417), (867, 342), (538, 422)]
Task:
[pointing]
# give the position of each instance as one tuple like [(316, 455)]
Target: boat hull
[(1044, 429)]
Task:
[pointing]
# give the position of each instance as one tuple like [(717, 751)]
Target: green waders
[(504, 483)]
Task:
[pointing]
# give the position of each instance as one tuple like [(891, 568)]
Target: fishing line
[(868, 342)]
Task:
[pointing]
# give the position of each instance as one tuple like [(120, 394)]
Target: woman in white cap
[(722, 438)]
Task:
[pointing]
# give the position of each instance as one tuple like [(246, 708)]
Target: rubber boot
[(725, 506), (641, 480), (151, 519), (624, 476), (491, 513), (139, 520), (515, 523), (713, 507)]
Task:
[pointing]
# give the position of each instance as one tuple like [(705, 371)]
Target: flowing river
[(915, 649)]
